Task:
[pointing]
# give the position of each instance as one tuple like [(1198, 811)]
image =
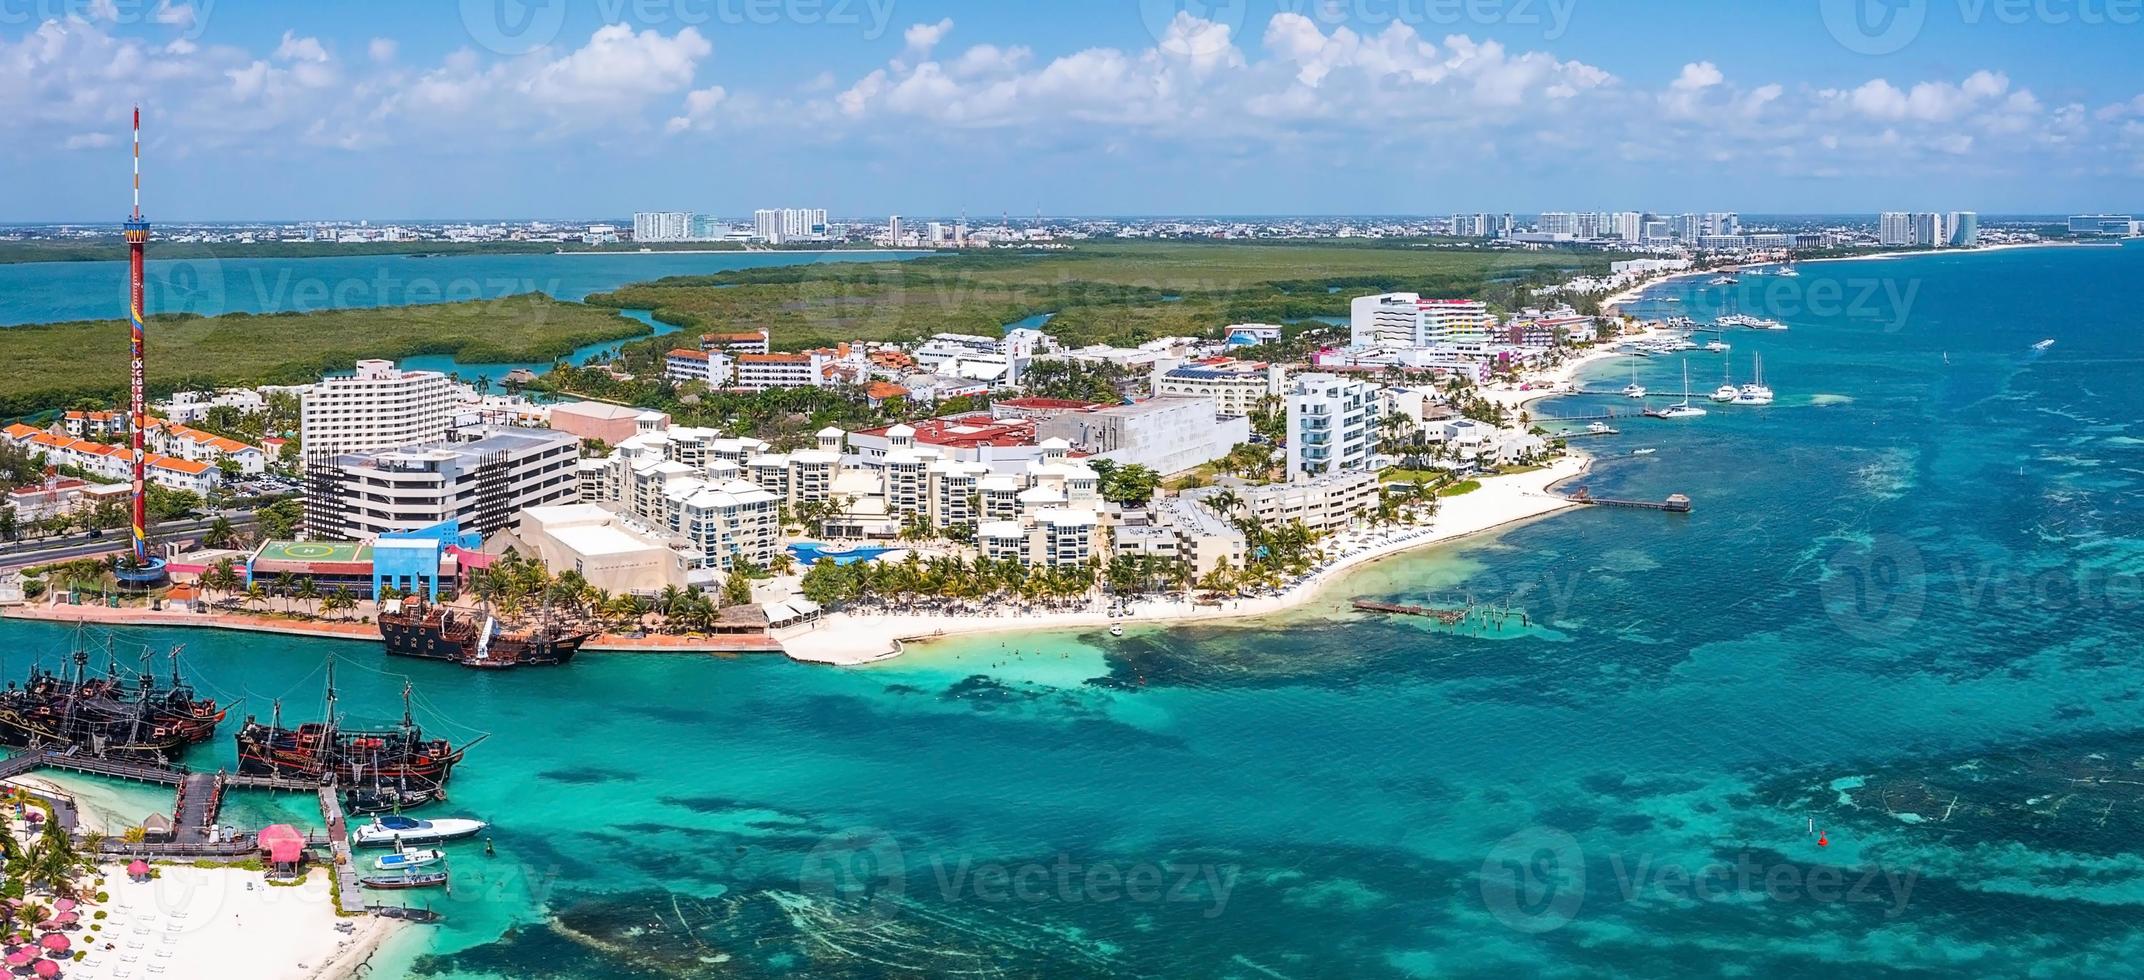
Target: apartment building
[(1406, 320), (760, 371), (482, 483), (378, 407), (1332, 425), (1234, 387), (707, 367)]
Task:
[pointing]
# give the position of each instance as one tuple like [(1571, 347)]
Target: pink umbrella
[(64, 904), (70, 918), (47, 969), (138, 868), (49, 924), (55, 942), (20, 957)]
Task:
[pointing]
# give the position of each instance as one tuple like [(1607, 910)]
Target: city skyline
[(1133, 108)]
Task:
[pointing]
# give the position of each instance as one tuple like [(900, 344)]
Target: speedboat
[(417, 879), (2045, 344), (404, 859), (1725, 393), (384, 799), (1600, 428), (1116, 629), (1643, 452), (1718, 346), (388, 831)]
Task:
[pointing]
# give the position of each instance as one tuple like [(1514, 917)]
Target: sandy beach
[(845, 639), (227, 923)]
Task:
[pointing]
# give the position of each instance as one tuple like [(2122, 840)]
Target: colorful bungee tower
[(145, 569)]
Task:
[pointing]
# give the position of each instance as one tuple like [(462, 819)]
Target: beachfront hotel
[(480, 483), (379, 407)]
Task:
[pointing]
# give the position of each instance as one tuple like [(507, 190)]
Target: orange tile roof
[(19, 431), (176, 464), (885, 389), (686, 352)]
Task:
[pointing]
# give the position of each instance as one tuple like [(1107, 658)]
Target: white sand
[(225, 923), (847, 640)]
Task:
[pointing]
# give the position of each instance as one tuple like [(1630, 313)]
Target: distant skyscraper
[(893, 230), (1964, 229), (1894, 228), (1629, 226), (1928, 229), (662, 226), (1689, 227)]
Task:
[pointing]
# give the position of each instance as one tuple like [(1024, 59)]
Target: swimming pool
[(811, 551)]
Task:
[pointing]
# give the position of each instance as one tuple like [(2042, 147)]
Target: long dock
[(1448, 617), (347, 892), (1674, 504)]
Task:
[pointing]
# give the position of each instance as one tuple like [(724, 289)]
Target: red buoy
[(1822, 840)]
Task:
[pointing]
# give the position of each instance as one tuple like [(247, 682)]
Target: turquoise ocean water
[(1904, 614)]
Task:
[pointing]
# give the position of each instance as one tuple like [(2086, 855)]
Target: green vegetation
[(1463, 486), (1113, 292), (85, 362)]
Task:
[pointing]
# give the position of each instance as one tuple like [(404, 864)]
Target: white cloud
[(699, 111), (921, 38), (382, 49), (180, 15), (620, 67), (296, 48)]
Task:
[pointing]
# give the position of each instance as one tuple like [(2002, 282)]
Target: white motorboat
[(403, 859), (1600, 428), (1634, 391), (2045, 344), (1643, 452), (1719, 346), (1116, 629), (388, 831)]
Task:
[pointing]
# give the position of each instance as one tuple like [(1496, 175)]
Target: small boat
[(1600, 428), (1116, 629), (384, 799), (388, 831), (404, 859), (2045, 344), (1643, 452), (1634, 391), (1725, 281), (420, 879)]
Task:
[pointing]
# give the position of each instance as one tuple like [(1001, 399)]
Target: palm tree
[(284, 583), (1224, 501), (306, 590)]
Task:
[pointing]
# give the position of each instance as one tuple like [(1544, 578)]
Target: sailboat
[(1756, 392), (1683, 409), (1727, 391), (1634, 389)]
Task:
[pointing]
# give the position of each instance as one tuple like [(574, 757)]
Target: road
[(22, 554)]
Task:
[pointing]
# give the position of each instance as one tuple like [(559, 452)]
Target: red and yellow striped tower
[(137, 234)]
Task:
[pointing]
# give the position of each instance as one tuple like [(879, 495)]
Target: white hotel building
[(1332, 425), (1406, 320), (484, 484), (380, 407)]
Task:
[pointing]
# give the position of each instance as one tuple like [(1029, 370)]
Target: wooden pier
[(1449, 617), (1674, 504), (347, 892)]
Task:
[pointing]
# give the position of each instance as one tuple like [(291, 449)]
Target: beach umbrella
[(69, 918), (64, 905), (49, 924), (55, 942), (138, 868), (20, 957), (47, 968)]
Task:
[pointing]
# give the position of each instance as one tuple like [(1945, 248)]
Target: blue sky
[(595, 108)]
